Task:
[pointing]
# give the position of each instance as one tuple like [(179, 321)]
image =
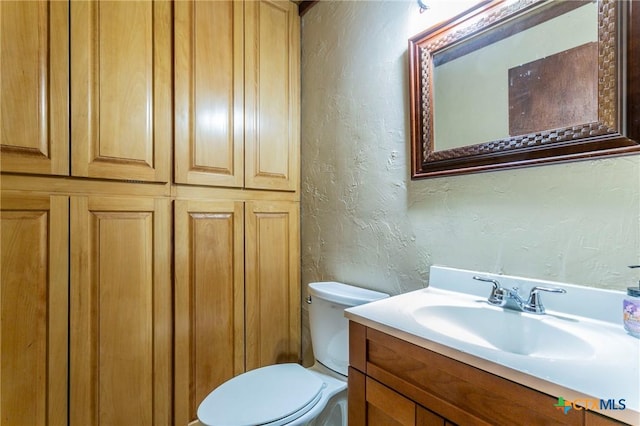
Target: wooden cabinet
[(209, 299), (425, 417), (237, 94), (88, 90), (373, 403), (236, 294), (272, 95), (34, 80), (110, 64), (34, 309), (121, 90), (272, 282), (237, 284), (385, 407), (119, 81), (86, 303), (595, 419), (121, 311), (399, 382), (112, 266), (209, 93)]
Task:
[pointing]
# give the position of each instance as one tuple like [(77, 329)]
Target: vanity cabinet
[(237, 293), (385, 407), (86, 89), (237, 94), (595, 419), (405, 384)]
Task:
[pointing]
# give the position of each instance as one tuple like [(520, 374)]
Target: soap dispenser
[(631, 309)]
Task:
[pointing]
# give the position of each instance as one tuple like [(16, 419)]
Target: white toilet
[(288, 394)]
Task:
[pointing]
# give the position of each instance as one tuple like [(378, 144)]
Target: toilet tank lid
[(344, 294)]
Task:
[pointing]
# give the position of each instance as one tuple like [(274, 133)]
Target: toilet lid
[(271, 395)]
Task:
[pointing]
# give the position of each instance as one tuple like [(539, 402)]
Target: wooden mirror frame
[(617, 131)]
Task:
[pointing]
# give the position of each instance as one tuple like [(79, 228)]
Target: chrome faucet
[(511, 299)]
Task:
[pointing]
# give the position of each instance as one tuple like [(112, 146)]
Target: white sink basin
[(540, 336), (577, 350)]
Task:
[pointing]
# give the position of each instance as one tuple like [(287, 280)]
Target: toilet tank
[(329, 327)]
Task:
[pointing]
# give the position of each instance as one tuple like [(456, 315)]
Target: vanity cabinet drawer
[(458, 392)]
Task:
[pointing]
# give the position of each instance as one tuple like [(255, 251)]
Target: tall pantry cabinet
[(236, 250), (150, 205)]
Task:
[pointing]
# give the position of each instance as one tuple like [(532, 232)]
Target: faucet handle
[(497, 292), (534, 304)]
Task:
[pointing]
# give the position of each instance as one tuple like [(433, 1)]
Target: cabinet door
[(33, 309), (209, 91), (356, 393), (272, 283), (595, 419), (272, 98), (372, 403), (386, 407), (34, 87), (209, 300), (426, 417), (121, 89), (121, 322)]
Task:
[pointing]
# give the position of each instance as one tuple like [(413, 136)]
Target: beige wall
[(365, 222)]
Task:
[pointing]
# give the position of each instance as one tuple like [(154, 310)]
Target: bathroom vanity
[(392, 381), (403, 373)]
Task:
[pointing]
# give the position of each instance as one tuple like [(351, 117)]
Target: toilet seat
[(273, 395)]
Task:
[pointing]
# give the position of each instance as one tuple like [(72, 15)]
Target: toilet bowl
[(289, 394)]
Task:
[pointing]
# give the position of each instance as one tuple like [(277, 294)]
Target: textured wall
[(365, 222)]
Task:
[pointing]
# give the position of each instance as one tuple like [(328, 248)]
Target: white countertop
[(609, 371)]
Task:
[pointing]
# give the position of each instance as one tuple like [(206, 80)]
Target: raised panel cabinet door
[(121, 118), (33, 309), (209, 93), (272, 95), (272, 282), (209, 300), (121, 319), (34, 87)]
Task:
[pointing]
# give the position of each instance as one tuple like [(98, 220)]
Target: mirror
[(527, 82)]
